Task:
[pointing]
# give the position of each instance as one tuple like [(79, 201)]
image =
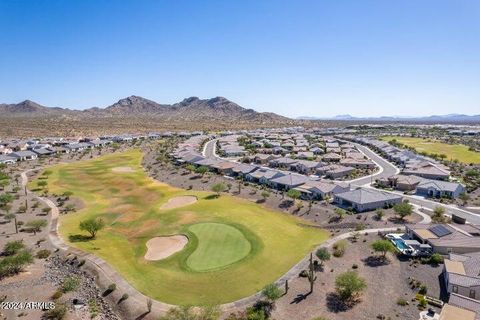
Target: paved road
[(209, 149), (386, 168)]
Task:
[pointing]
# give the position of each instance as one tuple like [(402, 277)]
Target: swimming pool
[(400, 244)]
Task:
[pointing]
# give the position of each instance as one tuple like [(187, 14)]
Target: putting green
[(249, 245), (218, 246)]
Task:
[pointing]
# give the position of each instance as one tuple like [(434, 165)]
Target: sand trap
[(162, 247), (178, 202), (122, 169)]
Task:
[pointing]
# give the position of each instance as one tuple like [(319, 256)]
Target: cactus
[(311, 273)]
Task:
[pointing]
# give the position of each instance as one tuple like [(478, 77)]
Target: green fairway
[(452, 151), (218, 245), (235, 246)]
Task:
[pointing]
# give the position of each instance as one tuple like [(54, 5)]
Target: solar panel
[(440, 231)]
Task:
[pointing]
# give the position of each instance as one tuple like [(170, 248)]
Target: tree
[(265, 194), (439, 214), (403, 209), (5, 199), (218, 188), (349, 285), (323, 255), (294, 194), (92, 226), (383, 246), (191, 313), (464, 197), (340, 213), (11, 216), (271, 292), (379, 214), (36, 225), (201, 170)]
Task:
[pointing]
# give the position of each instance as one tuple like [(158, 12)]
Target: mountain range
[(190, 109), (448, 118)]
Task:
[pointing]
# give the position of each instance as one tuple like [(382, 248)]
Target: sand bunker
[(162, 247), (178, 202), (122, 169)]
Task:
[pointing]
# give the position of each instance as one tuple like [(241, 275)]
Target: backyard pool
[(400, 244)]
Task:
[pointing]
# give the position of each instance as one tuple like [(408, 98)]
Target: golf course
[(218, 249), (459, 152)]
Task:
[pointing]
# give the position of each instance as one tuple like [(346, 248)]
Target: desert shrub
[(57, 295), (402, 302), (339, 248), (43, 254), (13, 247), (14, 264), (423, 289), (56, 314), (70, 284)]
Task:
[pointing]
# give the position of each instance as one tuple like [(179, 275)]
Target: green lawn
[(235, 246), (219, 245), (452, 151)]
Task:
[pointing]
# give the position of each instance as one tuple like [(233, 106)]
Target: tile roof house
[(460, 307), (321, 189), (7, 159), (288, 181), (461, 273), (363, 199), (283, 162), (24, 155), (405, 183), (263, 175), (243, 169), (446, 238), (358, 163), (439, 189), (331, 157), (428, 170)]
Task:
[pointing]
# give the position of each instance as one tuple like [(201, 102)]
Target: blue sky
[(296, 58)]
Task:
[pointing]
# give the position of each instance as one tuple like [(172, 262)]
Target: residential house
[(363, 199), (446, 238), (283, 163), (439, 189), (7, 159), (462, 274), (242, 169), (428, 170), (263, 158), (224, 167), (288, 181), (331, 157), (358, 163), (320, 189), (305, 166), (405, 183), (24, 155), (263, 175)]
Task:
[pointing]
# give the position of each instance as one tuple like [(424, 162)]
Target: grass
[(452, 151), (130, 205), (219, 245)]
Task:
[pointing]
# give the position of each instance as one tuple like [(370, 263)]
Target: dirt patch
[(178, 202), (123, 170), (162, 247)]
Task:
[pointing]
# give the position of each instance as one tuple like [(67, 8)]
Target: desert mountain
[(189, 110)]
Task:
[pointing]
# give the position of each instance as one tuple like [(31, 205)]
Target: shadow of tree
[(376, 261), (336, 304), (285, 204), (211, 197), (79, 238)]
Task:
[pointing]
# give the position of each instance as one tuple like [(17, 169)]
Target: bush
[(339, 248), (14, 264), (70, 284), (112, 287), (402, 302), (56, 314), (423, 289), (43, 254), (57, 295), (13, 247), (435, 259)]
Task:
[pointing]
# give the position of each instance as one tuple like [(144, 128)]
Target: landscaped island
[(235, 247)]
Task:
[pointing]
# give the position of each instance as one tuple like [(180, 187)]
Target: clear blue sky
[(314, 58)]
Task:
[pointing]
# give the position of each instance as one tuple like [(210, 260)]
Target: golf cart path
[(158, 307)]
